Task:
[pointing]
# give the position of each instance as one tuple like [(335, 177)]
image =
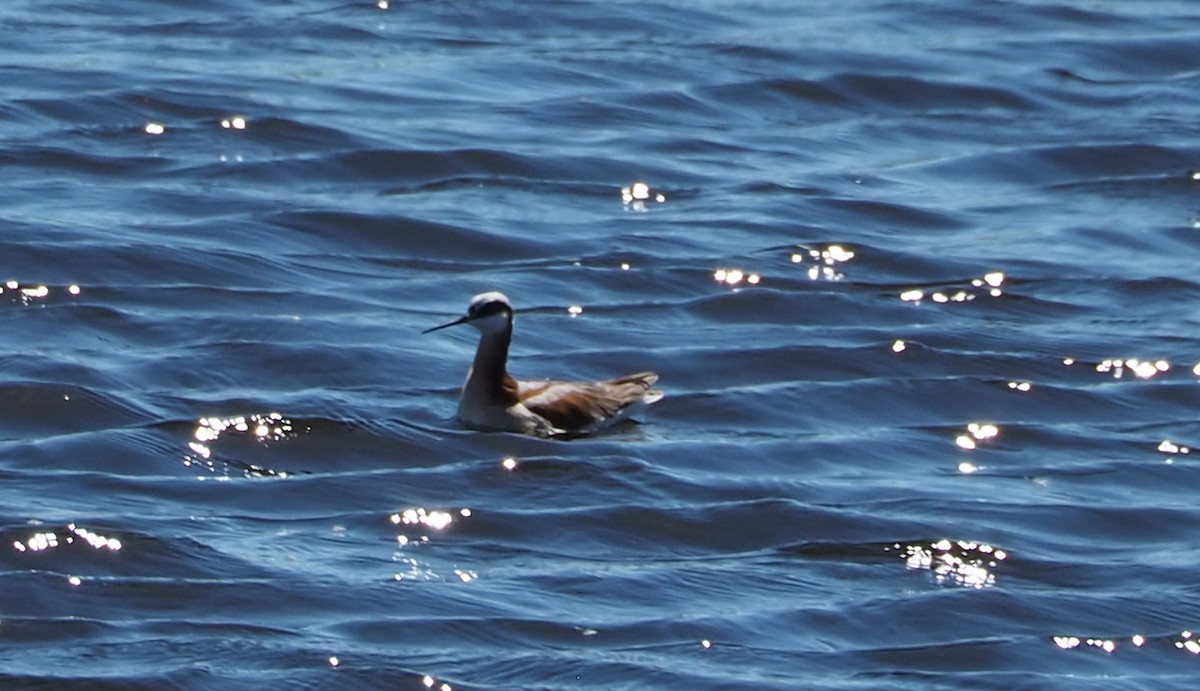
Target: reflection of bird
[(493, 400)]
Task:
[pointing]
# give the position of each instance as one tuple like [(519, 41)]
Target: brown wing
[(580, 405)]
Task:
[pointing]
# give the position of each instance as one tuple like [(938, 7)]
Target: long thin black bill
[(456, 322)]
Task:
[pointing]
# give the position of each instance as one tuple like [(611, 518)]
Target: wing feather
[(583, 406)]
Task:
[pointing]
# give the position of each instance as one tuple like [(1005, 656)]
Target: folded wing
[(581, 407)]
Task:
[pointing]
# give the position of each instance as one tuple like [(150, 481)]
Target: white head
[(488, 312)]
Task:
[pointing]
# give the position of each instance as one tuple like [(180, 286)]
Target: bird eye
[(488, 309)]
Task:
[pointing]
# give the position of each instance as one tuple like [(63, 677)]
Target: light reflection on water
[(976, 432), (264, 428), (429, 682), (26, 294), (824, 262), (48, 540), (1168, 446), (1142, 369), (418, 520), (1171, 450), (990, 284), (1185, 641), (954, 562), (734, 277), (1118, 367), (639, 195)]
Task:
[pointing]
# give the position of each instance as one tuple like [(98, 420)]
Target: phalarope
[(493, 400)]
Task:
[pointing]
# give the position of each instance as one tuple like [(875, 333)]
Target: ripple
[(238, 399), (263, 428), (956, 562)]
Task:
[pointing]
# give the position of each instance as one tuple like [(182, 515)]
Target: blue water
[(919, 280)]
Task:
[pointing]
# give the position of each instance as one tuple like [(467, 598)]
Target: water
[(920, 286)]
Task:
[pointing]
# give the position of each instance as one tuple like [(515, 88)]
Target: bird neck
[(489, 372)]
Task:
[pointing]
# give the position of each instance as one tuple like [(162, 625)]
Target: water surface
[(919, 280)]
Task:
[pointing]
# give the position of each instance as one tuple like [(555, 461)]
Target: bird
[(493, 400)]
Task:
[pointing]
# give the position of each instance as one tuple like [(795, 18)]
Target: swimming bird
[(493, 400)]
